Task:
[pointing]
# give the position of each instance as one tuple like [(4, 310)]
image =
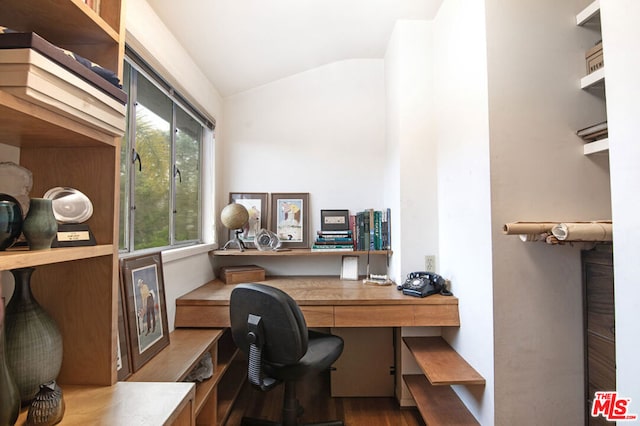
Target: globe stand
[(235, 241)]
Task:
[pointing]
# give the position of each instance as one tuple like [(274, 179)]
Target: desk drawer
[(318, 316), (202, 316), (396, 316), (373, 316), (436, 315)]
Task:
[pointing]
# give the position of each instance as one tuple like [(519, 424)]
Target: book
[(321, 240), (594, 132), (332, 247), (326, 233)]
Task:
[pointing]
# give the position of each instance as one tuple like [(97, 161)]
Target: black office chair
[(268, 326)]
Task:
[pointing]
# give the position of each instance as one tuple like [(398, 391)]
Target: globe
[(234, 216)]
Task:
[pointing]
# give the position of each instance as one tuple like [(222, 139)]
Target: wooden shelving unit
[(442, 366), (78, 286), (438, 405), (214, 396)]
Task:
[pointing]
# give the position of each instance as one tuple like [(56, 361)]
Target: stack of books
[(372, 229), (594, 133), (333, 241)]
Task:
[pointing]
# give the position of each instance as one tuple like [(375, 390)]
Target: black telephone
[(422, 284)]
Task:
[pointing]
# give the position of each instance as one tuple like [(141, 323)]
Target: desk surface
[(326, 302)]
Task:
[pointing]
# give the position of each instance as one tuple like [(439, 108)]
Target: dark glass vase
[(9, 394), (34, 342), (10, 221), (40, 226)]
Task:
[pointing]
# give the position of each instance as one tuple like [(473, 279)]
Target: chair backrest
[(283, 326)]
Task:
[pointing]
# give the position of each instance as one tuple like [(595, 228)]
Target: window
[(160, 163)]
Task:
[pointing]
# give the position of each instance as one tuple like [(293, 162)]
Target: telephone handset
[(422, 284)]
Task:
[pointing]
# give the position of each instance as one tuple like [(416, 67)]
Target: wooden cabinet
[(214, 396), (77, 286), (442, 366), (599, 325)]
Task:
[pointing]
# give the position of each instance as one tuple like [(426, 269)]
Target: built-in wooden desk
[(326, 302)]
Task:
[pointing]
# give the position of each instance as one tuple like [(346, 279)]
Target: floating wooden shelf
[(299, 252), (441, 364), (23, 258), (438, 405)]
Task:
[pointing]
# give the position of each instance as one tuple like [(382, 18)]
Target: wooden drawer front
[(600, 301), (436, 315), (202, 316), (373, 316), (318, 316)]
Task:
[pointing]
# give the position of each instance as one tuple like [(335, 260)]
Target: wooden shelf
[(24, 124), (62, 21), (438, 405), (597, 147), (229, 388), (23, 258), (299, 252), (441, 364), (124, 404), (176, 361)]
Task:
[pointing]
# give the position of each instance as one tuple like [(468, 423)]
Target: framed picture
[(256, 205), (290, 218), (334, 220), (145, 307), (123, 358)]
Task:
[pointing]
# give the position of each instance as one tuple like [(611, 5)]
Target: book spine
[(386, 229), (371, 244), (377, 230), (352, 228)]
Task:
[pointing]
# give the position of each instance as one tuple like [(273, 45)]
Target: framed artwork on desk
[(290, 218), (145, 307), (256, 205)]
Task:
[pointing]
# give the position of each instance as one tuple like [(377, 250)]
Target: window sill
[(171, 255)]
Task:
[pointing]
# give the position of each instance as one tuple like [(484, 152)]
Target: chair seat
[(323, 350)]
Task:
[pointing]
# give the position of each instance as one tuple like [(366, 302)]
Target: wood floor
[(314, 395)]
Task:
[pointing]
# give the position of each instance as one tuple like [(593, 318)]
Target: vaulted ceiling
[(241, 44)]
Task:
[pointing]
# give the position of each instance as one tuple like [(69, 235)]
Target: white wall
[(411, 182), (620, 33), (535, 58), (464, 193), (320, 131)]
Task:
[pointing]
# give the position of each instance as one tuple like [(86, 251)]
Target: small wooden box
[(594, 58), (241, 274)]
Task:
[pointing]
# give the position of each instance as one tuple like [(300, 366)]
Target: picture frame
[(148, 327), (290, 218), (256, 204), (123, 355), (334, 220)]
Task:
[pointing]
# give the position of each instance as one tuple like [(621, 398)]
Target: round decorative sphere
[(234, 216)]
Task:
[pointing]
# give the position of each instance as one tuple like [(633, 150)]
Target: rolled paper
[(594, 231), (530, 237), (528, 228)]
